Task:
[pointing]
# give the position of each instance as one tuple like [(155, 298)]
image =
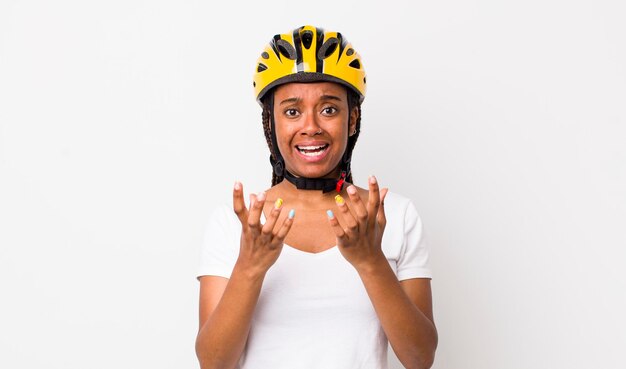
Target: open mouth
[(312, 151)]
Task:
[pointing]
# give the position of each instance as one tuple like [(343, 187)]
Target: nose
[(311, 125)]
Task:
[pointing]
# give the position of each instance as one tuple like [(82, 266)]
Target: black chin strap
[(302, 183), (323, 184)]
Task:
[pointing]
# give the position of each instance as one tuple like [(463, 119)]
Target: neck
[(308, 198)]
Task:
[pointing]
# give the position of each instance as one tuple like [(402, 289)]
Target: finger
[(256, 208), (336, 227), (239, 204), (284, 229), (351, 224), (357, 206), (373, 202), (268, 227), (381, 219)]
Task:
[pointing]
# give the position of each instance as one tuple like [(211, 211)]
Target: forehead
[(312, 90)]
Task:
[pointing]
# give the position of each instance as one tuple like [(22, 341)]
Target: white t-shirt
[(313, 311)]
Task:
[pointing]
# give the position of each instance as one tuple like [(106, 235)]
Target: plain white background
[(122, 123)]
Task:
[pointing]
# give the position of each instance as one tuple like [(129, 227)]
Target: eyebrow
[(289, 100), (323, 97), (330, 97)]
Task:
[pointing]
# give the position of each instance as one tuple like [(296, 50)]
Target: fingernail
[(237, 185), (339, 200), (278, 203), (351, 190), (292, 213), (372, 179), (330, 214), (260, 196)]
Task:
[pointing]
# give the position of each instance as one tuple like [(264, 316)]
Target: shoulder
[(402, 217), (222, 217), (399, 209), (396, 202), (222, 211), (220, 246)]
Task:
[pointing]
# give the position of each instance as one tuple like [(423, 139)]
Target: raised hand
[(260, 244), (360, 232)]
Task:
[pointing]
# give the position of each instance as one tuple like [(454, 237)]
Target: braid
[(266, 114), (353, 101)]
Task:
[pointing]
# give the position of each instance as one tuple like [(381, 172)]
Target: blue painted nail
[(330, 214), (292, 213)]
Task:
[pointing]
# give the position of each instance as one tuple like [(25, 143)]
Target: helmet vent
[(307, 39), (328, 48), (308, 54), (355, 64), (286, 49)]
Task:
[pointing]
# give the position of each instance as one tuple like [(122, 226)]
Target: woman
[(316, 286)]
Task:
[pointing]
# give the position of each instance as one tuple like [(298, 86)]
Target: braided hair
[(353, 101)]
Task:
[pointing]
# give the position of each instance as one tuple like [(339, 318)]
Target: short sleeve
[(220, 245), (413, 259)]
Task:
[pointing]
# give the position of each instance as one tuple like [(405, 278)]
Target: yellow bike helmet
[(309, 54)]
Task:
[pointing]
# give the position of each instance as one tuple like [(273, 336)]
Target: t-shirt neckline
[(319, 253), (297, 250)]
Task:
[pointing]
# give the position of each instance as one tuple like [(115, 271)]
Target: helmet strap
[(320, 184)]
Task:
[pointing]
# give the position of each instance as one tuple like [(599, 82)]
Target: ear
[(354, 116)]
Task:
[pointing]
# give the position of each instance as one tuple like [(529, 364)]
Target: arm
[(403, 308), (405, 313), (226, 308), (227, 305)]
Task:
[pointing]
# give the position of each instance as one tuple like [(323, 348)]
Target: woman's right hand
[(260, 244)]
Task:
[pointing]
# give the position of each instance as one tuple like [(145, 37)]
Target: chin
[(317, 172)]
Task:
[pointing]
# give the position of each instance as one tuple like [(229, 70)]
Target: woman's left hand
[(360, 232)]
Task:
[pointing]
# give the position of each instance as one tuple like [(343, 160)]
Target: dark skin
[(306, 115)]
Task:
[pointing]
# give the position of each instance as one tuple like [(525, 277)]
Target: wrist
[(248, 272), (373, 265)]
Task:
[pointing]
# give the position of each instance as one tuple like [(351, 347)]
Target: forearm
[(411, 333), (223, 336)]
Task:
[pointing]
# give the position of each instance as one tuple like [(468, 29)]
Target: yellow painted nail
[(278, 203), (339, 200)]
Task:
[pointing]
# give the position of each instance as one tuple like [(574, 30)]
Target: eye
[(291, 113), (329, 110)]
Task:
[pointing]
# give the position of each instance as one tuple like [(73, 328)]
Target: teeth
[(317, 153), (312, 150), (310, 147)]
